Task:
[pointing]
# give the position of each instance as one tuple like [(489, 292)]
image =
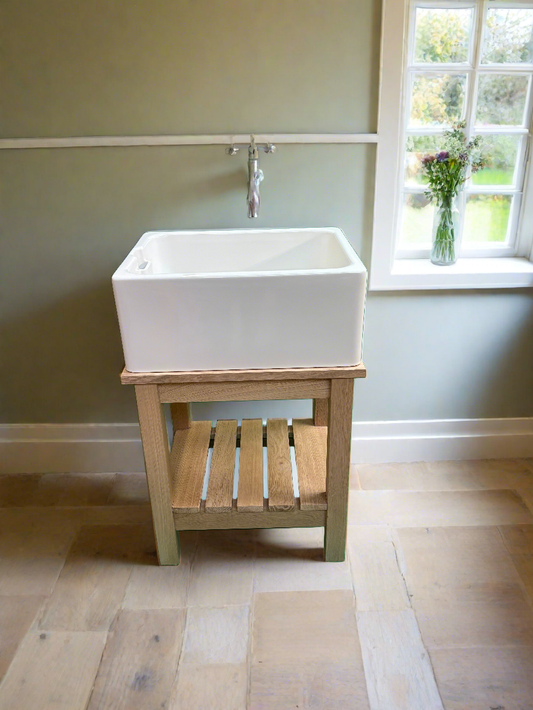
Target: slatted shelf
[(189, 458)]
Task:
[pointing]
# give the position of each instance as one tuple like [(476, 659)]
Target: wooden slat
[(310, 445), (220, 490), (294, 373), (181, 415), (320, 412), (187, 464), (239, 391), (250, 493), (280, 488), (250, 520)]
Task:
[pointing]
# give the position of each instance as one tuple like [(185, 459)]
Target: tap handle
[(232, 150), (270, 148)]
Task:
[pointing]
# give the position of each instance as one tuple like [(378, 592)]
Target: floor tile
[(140, 660), (377, 580), (464, 587), (18, 489), (153, 587), (318, 664), (410, 477), (519, 542), (489, 473), (354, 478), (314, 626), (216, 635), (527, 496), (134, 514), (507, 621), (211, 687), (485, 678), (222, 568), (92, 583), (292, 559), (397, 666), (33, 548), (314, 686), (456, 564), (369, 533), (518, 538), (17, 614), (128, 489), (66, 489), (421, 509), (52, 670)]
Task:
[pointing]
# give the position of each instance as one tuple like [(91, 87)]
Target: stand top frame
[(276, 374)]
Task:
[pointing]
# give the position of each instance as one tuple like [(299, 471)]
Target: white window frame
[(394, 270)]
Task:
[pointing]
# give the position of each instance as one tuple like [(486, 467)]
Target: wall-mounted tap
[(255, 175)]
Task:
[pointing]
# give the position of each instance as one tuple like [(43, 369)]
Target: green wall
[(69, 216)]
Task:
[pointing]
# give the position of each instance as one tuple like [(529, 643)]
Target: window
[(457, 60)]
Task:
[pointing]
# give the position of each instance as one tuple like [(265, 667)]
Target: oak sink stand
[(176, 473)]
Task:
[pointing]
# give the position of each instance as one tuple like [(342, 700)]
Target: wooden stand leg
[(320, 412), (338, 468), (156, 458), (181, 415)]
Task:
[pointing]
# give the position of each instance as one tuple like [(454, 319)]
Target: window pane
[(486, 218), (501, 100), (417, 220), (442, 35), (508, 36), (502, 152), (437, 99), (416, 148)]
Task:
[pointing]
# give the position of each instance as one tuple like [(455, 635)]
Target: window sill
[(421, 274)]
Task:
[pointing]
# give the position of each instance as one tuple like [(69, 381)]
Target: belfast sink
[(240, 299)]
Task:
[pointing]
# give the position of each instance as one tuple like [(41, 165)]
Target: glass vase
[(445, 230)]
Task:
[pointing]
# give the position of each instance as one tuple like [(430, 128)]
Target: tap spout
[(255, 177)]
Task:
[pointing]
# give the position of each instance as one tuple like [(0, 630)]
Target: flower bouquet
[(446, 172)]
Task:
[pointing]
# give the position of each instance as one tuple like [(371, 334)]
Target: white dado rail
[(205, 139)]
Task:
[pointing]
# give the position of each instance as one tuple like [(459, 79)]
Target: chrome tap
[(255, 176)]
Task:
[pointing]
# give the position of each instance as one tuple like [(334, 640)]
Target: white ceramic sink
[(231, 299)]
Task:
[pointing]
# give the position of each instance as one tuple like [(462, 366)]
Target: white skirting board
[(75, 448), (441, 440), (106, 448)]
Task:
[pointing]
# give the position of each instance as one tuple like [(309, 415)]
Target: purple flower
[(427, 159), (442, 156)]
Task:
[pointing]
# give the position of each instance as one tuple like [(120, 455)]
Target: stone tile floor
[(432, 609)]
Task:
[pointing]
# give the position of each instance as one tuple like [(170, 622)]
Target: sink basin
[(240, 299)]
